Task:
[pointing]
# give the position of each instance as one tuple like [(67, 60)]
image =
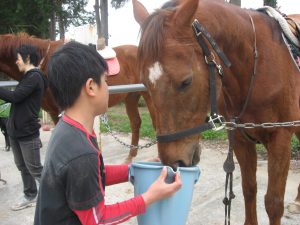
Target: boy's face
[(102, 95), (22, 66)]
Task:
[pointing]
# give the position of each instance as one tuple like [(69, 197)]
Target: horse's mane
[(154, 34), (9, 43)]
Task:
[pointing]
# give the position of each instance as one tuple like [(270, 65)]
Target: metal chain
[(227, 125), (233, 125), (104, 120)]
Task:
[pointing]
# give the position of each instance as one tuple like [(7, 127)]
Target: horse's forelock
[(153, 37), (159, 33)]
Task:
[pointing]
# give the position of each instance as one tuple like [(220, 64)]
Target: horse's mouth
[(195, 159)]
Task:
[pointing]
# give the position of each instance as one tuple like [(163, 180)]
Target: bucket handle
[(197, 175), (169, 178), (131, 175)]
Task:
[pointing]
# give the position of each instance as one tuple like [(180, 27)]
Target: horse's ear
[(139, 11), (185, 13)]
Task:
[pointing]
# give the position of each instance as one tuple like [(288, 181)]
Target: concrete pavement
[(207, 207)]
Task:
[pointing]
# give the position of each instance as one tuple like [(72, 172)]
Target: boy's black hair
[(70, 67), (30, 52)]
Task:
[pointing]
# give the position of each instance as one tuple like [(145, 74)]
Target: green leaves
[(35, 16), (272, 3), (118, 3)]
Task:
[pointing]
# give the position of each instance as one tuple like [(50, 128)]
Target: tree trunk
[(52, 27), (98, 20), (235, 2), (61, 27), (104, 19)]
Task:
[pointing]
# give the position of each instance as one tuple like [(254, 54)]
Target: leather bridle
[(215, 121)]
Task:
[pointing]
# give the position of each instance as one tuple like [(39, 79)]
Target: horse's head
[(174, 71)]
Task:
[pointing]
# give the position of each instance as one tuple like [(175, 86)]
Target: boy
[(23, 122), (74, 177)]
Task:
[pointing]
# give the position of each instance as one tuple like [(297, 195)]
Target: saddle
[(111, 59), (294, 24), (290, 26)]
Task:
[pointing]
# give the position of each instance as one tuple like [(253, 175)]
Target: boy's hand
[(160, 189)]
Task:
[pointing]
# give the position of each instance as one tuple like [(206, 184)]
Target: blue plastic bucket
[(173, 210)]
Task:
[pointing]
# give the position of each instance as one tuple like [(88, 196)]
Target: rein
[(47, 51), (228, 165)]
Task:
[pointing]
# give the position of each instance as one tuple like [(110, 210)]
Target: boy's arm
[(85, 194), (25, 88), (112, 214), (116, 174)]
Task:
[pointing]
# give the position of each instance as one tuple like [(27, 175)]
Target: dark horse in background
[(174, 70), (128, 74)]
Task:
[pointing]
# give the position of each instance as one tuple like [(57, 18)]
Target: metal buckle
[(219, 120)]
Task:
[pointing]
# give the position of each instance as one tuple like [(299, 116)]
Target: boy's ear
[(27, 60), (90, 87)]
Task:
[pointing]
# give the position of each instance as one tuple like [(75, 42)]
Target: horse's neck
[(235, 35)]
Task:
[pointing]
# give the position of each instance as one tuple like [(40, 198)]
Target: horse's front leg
[(131, 103), (247, 157), (279, 154)]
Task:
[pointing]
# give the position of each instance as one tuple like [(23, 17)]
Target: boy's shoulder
[(68, 143), (65, 133)]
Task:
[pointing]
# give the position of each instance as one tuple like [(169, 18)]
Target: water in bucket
[(170, 211)]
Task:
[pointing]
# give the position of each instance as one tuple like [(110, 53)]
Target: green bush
[(215, 135), (119, 122)]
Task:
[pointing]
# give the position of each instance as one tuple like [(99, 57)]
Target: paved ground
[(207, 207)]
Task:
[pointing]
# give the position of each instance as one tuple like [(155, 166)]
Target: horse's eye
[(184, 84)]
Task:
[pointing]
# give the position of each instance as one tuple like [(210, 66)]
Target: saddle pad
[(107, 53), (113, 66)]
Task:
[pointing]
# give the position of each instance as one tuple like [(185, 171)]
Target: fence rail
[(115, 89)]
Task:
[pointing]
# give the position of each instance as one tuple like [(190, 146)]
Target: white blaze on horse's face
[(155, 72)]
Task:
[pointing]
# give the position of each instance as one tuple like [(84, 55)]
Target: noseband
[(215, 121)]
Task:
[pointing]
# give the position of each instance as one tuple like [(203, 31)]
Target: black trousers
[(28, 161)]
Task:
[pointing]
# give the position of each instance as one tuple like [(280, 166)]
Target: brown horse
[(262, 85), (128, 74)]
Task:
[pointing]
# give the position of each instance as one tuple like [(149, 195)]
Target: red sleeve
[(112, 214), (116, 174)]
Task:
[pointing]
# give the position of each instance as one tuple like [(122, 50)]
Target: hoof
[(294, 207)]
